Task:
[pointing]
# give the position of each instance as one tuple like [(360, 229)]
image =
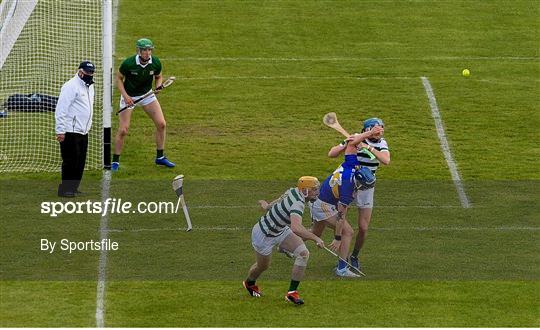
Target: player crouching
[(282, 226)]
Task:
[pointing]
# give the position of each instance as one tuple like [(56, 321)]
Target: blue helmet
[(371, 122), (364, 178)]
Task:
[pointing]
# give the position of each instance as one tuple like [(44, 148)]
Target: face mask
[(88, 80)]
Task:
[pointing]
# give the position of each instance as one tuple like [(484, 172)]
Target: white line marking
[(225, 207), (102, 266), (378, 206), (503, 228), (351, 59), (218, 228), (103, 230), (293, 77), (179, 229), (510, 83), (452, 166)]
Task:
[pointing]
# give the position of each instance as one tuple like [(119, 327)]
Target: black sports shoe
[(67, 194)]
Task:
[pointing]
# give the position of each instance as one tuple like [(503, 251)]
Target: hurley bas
[(71, 246)]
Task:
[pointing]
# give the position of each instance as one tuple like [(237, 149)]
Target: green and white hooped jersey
[(138, 78), (278, 217), (363, 157)]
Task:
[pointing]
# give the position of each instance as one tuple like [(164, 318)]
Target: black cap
[(87, 66)]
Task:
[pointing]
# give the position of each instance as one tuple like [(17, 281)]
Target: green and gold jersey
[(278, 216), (138, 78)]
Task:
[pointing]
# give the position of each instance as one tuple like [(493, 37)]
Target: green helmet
[(145, 43)]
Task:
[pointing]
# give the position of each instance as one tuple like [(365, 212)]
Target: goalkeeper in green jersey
[(134, 79)]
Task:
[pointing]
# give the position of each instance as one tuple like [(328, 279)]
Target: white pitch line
[(452, 166), (179, 229), (352, 59), (102, 266), (503, 228), (225, 207), (528, 84), (293, 78), (379, 206), (217, 229)]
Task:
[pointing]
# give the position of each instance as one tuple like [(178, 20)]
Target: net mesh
[(42, 44)]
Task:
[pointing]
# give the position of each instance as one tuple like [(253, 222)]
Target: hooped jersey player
[(277, 218), (339, 186), (363, 156)]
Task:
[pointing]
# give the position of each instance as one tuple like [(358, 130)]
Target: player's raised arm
[(376, 133), (382, 156), (352, 141), (336, 150)]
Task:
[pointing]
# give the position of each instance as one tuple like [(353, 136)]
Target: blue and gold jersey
[(338, 187)]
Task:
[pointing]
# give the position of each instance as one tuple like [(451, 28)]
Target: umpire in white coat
[(73, 122)]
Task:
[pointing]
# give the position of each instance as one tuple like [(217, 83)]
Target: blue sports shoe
[(355, 262), (115, 166), (164, 161), (346, 272)]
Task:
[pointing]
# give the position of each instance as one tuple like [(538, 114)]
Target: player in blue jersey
[(337, 192), (376, 145)]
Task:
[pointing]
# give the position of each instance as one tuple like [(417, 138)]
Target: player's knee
[(161, 125), (363, 227), (347, 231), (123, 131), (301, 254)]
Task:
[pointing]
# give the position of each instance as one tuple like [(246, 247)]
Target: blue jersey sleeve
[(346, 189), (350, 161)]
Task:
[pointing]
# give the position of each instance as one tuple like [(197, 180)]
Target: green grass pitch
[(245, 121)]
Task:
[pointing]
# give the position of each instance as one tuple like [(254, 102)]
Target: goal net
[(42, 43)]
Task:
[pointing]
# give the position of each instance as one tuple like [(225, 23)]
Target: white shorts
[(364, 198), (264, 244), (146, 101), (321, 211)]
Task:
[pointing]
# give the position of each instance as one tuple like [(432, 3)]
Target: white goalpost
[(42, 43)]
